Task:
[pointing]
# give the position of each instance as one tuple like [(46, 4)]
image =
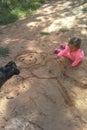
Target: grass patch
[(84, 9), (4, 51), (63, 30), (11, 10), (44, 33), (7, 16)]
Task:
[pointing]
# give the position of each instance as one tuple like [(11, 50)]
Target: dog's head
[(11, 69), (8, 71)]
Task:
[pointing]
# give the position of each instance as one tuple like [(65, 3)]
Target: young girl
[(72, 51)]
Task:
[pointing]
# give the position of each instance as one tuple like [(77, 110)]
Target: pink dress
[(76, 56)]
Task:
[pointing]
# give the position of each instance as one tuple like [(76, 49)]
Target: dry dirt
[(48, 94)]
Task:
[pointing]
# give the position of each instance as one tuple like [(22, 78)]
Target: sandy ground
[(48, 94)]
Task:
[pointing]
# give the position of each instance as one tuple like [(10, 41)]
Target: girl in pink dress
[(72, 51)]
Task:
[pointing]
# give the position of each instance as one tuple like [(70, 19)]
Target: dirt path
[(48, 94)]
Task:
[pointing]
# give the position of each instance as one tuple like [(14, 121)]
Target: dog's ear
[(10, 63)]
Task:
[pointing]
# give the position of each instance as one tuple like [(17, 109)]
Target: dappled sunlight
[(48, 10), (42, 19), (32, 24), (55, 7), (52, 28), (82, 26), (8, 40), (66, 22), (3, 106), (34, 48), (84, 32), (80, 101), (24, 87), (69, 18)]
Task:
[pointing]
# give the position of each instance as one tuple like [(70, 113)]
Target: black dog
[(7, 72)]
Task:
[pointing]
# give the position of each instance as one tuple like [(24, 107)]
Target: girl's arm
[(78, 58), (76, 62), (62, 52)]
